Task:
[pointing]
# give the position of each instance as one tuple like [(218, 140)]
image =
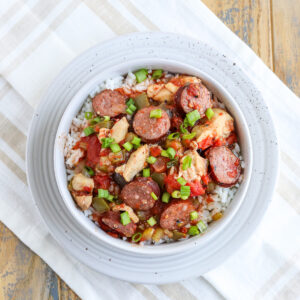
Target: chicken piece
[(159, 93), (119, 130), (103, 133), (171, 87), (81, 183), (135, 163), (84, 202), (124, 207), (153, 89), (198, 167), (219, 127)]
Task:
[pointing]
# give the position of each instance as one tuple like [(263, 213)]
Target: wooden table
[(271, 28)]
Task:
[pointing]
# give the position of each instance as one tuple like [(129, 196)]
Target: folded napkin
[(37, 39)]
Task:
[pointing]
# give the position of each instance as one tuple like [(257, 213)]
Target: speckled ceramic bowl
[(87, 242)]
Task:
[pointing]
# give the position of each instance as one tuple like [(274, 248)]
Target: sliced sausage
[(112, 220), (193, 96), (109, 103), (137, 194), (160, 165), (224, 165), (151, 129), (176, 214)]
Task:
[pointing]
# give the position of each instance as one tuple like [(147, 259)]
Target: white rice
[(221, 196)]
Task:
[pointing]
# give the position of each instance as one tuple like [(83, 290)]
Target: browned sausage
[(160, 165), (224, 165), (112, 220), (193, 96), (137, 194), (109, 103), (151, 129), (176, 214)]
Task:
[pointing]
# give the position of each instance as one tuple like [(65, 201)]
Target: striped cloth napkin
[(37, 39)]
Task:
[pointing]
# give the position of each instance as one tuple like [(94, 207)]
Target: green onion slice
[(154, 196), (106, 142), (156, 113), (125, 219), (151, 221), (209, 113), (115, 148), (89, 170), (141, 75), (88, 131), (202, 227), (165, 197), (95, 121), (192, 117), (136, 141), (173, 136), (136, 237), (128, 146), (186, 162), (183, 129), (103, 193), (176, 194), (146, 172), (164, 153), (88, 115), (172, 162), (106, 118), (181, 181), (185, 191), (188, 136), (171, 152), (151, 159), (132, 107), (193, 230), (157, 74), (129, 102), (193, 215), (129, 111)]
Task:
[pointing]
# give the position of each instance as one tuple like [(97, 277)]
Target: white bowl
[(87, 242), (75, 105)]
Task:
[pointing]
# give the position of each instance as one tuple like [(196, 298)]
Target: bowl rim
[(166, 248)]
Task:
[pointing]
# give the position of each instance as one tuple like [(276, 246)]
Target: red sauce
[(171, 184), (196, 188), (93, 150)]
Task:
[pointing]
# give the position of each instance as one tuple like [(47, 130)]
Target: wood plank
[(286, 39)]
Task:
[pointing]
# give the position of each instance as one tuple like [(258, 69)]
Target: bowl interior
[(174, 67)]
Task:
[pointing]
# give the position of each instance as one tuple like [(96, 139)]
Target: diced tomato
[(207, 142), (183, 230), (87, 189), (205, 179), (155, 151), (219, 142), (77, 145), (176, 122), (175, 145), (171, 184), (196, 188), (93, 150), (101, 182)]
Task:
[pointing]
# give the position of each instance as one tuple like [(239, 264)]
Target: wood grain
[(271, 28)]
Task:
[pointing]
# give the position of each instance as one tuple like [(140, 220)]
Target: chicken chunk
[(135, 163), (198, 167), (81, 182), (119, 130), (159, 92), (84, 202)]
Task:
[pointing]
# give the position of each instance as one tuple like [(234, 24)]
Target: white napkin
[(38, 39)]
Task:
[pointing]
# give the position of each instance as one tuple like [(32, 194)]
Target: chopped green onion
[(156, 113), (165, 197), (193, 230), (188, 136), (129, 111), (173, 136), (183, 129), (88, 131), (202, 227), (136, 141), (209, 113), (128, 146), (151, 159), (89, 170), (115, 148), (185, 191), (176, 194), (186, 162), (154, 196), (172, 162), (146, 172), (192, 117), (136, 237), (103, 193), (95, 121), (88, 115), (164, 153), (181, 181), (186, 123), (110, 198), (132, 107), (106, 142), (141, 75), (171, 152), (129, 102), (151, 221), (193, 215), (125, 219), (106, 118), (157, 74)]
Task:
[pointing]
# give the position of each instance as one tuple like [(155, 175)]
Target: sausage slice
[(193, 96), (137, 194), (176, 214), (151, 129), (225, 166), (109, 103), (112, 220)]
